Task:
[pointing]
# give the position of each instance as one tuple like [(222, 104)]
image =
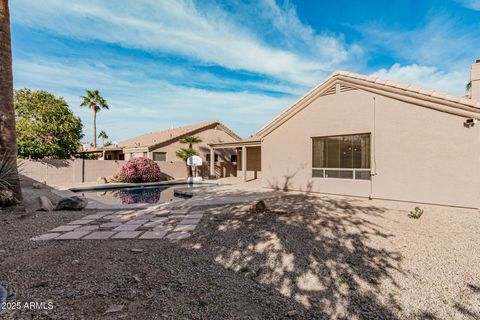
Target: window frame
[(153, 156), (321, 172)]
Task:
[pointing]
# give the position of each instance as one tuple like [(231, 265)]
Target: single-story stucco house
[(161, 146), (359, 135)]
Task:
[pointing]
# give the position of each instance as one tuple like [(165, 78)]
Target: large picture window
[(160, 156), (343, 157)]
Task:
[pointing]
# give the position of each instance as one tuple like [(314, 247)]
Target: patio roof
[(252, 141)]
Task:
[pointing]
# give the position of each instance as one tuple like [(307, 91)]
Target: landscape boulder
[(37, 185), (72, 203), (45, 204), (102, 180), (258, 206), (7, 198)]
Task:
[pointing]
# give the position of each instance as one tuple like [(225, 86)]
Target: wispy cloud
[(140, 105), (471, 4), (207, 34), (427, 77)]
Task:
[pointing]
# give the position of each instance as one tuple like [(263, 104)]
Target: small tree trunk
[(94, 127), (8, 139)]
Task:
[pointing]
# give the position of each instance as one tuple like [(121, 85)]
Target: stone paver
[(153, 235), (99, 235), (46, 236), (151, 223), (64, 228), (128, 227), (163, 228), (94, 216), (179, 211), (110, 225), (190, 221), (87, 228), (82, 221), (185, 227), (178, 235), (126, 235), (72, 235), (195, 215), (136, 221)]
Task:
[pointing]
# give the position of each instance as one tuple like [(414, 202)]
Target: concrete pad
[(65, 228), (123, 212), (161, 219), (185, 227), (153, 235), (178, 235), (46, 236), (82, 221), (153, 224), (99, 235), (145, 216), (177, 216), (162, 212), (126, 235), (72, 235), (87, 228), (112, 216), (123, 227)]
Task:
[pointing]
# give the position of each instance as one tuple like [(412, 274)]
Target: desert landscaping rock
[(99, 235), (126, 235), (72, 203), (45, 204)]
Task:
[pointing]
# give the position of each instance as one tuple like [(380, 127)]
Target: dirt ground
[(307, 258)]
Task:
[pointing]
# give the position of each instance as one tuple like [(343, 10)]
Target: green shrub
[(416, 214)]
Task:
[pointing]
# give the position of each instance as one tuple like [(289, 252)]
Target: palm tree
[(103, 135), (184, 154), (96, 102), (8, 144), (190, 140)]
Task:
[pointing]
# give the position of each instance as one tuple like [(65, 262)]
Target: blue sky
[(168, 63)]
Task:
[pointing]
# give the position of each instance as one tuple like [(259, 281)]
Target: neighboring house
[(362, 136), (162, 145)]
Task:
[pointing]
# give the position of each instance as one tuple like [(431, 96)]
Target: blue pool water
[(130, 195)]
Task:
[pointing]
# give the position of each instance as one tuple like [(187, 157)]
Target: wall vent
[(331, 90), (345, 88)]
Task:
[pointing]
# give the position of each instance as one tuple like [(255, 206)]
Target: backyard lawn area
[(307, 257)]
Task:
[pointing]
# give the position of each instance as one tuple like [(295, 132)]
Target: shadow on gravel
[(313, 251)]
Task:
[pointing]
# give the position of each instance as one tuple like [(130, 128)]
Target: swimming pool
[(140, 194)]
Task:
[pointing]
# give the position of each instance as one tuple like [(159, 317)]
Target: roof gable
[(347, 81), (157, 139)]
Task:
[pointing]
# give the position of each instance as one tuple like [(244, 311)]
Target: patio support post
[(244, 163), (212, 163)]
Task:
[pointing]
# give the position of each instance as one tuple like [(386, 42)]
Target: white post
[(244, 163), (212, 163)]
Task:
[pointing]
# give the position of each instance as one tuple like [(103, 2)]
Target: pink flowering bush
[(139, 170)]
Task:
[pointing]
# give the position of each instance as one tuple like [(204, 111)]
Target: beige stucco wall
[(223, 168), (418, 154), (254, 162), (69, 172)]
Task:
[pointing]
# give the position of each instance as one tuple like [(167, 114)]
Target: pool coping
[(97, 205)]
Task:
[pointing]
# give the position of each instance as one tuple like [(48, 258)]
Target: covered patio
[(249, 161)]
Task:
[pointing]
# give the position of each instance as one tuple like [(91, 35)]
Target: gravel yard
[(307, 258)]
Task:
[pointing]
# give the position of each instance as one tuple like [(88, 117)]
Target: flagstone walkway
[(149, 224)]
